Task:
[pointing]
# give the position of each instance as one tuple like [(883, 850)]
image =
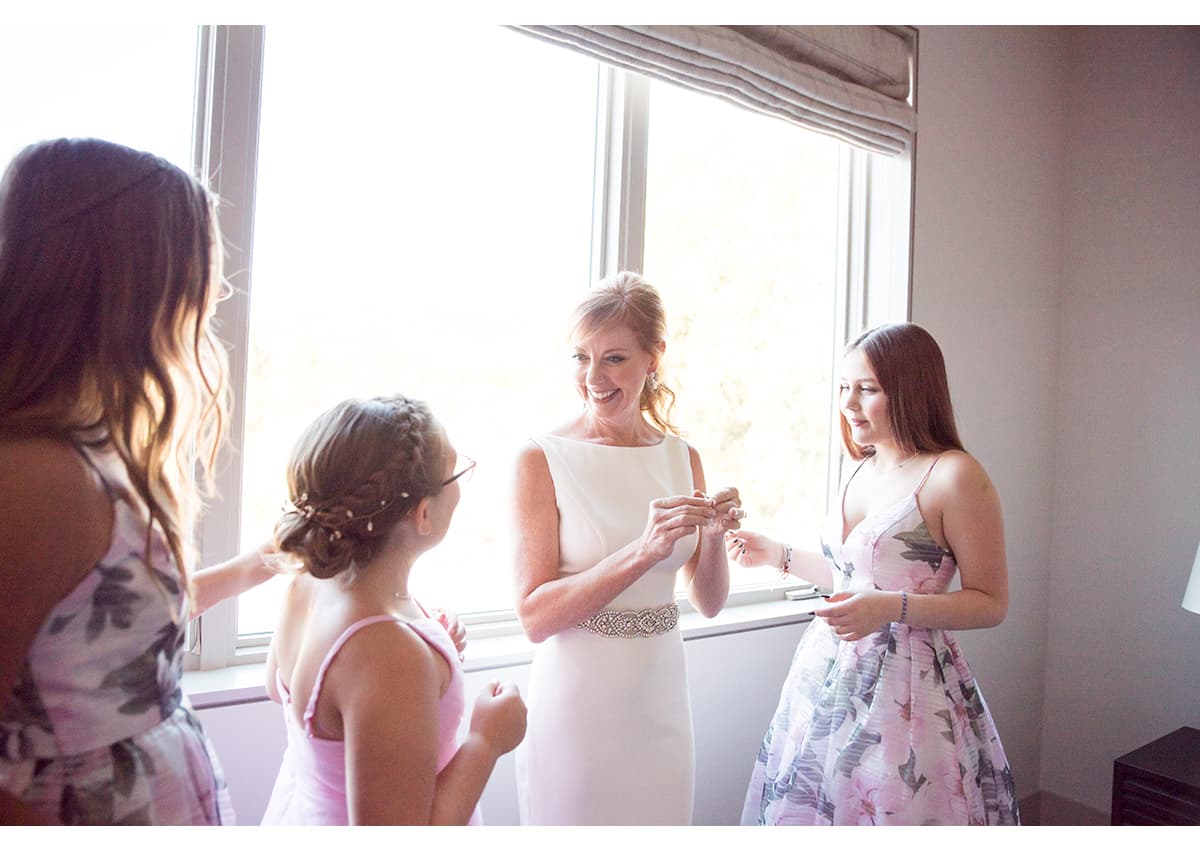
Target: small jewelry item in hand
[(785, 563)]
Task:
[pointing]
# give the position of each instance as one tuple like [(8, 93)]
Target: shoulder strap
[(109, 476), (925, 478), (311, 708), (861, 464), (435, 635)]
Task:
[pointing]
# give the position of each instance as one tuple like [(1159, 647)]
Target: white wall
[(986, 271), (734, 680), (1057, 260), (1123, 665)]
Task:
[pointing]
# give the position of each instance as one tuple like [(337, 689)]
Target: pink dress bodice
[(311, 786)]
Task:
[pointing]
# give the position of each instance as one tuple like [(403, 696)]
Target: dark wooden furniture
[(1159, 783)]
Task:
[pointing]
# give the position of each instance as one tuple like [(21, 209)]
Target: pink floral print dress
[(97, 729), (891, 728)]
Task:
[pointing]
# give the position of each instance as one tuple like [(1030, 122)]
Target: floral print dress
[(97, 729), (891, 728)]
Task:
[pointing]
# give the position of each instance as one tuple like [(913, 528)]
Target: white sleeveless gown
[(609, 738)]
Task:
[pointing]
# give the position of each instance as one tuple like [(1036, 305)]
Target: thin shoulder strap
[(925, 478), (861, 464), (93, 464), (311, 709)]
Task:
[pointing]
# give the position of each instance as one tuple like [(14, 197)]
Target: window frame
[(873, 276)]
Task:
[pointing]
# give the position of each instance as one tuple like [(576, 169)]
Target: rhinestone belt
[(641, 623)]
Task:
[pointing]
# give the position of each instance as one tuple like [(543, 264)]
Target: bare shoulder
[(697, 467), (531, 457), (958, 475), (56, 507), (382, 660), (38, 464), (533, 471)]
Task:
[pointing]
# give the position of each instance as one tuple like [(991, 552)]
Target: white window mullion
[(874, 258), (888, 246), (850, 272), (622, 130), (228, 89)]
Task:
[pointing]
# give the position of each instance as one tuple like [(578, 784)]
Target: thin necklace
[(907, 458)]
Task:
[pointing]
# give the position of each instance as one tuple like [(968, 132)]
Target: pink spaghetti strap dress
[(311, 786)]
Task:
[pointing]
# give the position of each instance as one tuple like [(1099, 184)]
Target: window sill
[(239, 684)]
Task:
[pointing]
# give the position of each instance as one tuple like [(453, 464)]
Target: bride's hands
[(727, 505), (670, 519)]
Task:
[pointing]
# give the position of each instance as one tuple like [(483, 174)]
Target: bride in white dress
[(609, 508)]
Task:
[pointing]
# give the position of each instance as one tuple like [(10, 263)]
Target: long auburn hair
[(912, 374), (627, 299), (110, 270)]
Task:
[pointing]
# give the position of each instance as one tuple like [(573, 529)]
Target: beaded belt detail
[(633, 624)]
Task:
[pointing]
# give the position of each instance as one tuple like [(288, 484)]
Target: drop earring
[(652, 382)]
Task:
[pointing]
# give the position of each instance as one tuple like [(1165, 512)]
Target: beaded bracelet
[(903, 606), (785, 564)]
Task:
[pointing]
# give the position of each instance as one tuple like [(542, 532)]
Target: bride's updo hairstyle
[(626, 299), (356, 471), (912, 374)]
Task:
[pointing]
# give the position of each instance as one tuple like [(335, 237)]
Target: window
[(746, 261), (93, 81), (444, 221), (419, 231)]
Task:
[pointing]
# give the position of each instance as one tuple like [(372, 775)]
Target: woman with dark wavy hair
[(880, 720), (112, 393)]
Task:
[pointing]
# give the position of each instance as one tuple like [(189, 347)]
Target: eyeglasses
[(466, 467)]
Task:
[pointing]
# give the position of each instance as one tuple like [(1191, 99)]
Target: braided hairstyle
[(357, 470)]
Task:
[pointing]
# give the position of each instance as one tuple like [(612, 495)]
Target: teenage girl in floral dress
[(880, 720)]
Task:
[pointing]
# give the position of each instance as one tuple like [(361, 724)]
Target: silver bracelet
[(785, 564)]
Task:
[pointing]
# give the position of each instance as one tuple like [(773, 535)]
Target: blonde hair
[(627, 299), (356, 471), (109, 274)]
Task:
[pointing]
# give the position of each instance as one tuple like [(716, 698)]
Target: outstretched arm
[(211, 585), (752, 549)]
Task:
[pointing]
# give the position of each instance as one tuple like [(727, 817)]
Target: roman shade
[(852, 82)]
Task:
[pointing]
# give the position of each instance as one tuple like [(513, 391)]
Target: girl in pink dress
[(880, 720), (372, 685)]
